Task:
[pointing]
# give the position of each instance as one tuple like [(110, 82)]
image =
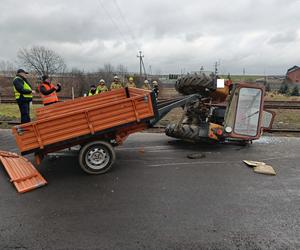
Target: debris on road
[(141, 151), (260, 167), (196, 156)]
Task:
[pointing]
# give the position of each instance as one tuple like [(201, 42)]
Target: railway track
[(267, 105), (8, 100), (282, 104)]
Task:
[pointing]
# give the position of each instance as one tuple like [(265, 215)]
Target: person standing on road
[(116, 84), (48, 91), (146, 85), (23, 93), (155, 88), (93, 90), (101, 87), (130, 83)]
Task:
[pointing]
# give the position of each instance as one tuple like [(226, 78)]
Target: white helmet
[(116, 77), (102, 81), (146, 81)]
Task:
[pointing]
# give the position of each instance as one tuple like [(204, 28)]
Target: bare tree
[(42, 60), (7, 68), (122, 70), (79, 81), (107, 72)]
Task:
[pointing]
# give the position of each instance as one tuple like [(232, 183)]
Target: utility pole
[(217, 64), (140, 56), (201, 69)]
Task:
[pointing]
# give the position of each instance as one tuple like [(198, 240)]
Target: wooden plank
[(22, 173)]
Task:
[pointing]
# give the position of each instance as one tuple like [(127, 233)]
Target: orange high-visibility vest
[(48, 98)]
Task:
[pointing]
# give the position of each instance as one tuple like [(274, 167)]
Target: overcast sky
[(258, 35)]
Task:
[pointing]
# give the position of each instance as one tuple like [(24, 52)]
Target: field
[(237, 78), (10, 112)]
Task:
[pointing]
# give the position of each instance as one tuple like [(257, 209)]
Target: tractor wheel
[(190, 132), (171, 130), (185, 131), (96, 157), (191, 84)]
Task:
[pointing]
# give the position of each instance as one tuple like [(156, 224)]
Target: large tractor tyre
[(97, 157), (170, 130), (185, 131), (191, 84), (190, 132)]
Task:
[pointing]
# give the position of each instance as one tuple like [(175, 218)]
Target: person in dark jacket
[(23, 93), (48, 91), (92, 91)]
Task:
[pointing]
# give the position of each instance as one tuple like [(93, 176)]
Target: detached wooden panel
[(21, 171), (85, 116)]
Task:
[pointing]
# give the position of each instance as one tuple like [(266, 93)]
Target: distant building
[(293, 74)]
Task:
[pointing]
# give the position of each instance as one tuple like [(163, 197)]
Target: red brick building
[(293, 74)]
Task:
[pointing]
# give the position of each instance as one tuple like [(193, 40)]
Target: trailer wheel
[(96, 157)]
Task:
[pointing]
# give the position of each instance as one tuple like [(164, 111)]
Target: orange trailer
[(96, 123)]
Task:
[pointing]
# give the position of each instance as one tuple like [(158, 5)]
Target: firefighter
[(155, 88), (23, 94), (48, 91), (93, 90), (116, 84), (146, 85), (130, 83), (101, 87)]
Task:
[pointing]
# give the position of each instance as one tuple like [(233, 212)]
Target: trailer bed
[(64, 124)]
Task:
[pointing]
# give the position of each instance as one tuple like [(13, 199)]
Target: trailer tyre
[(96, 157)]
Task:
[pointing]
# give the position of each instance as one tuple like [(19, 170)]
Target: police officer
[(130, 83), (116, 84), (101, 87), (48, 91), (93, 90), (23, 94)]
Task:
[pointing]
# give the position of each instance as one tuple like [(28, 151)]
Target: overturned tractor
[(221, 110)]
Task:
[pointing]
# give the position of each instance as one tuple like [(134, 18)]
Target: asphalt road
[(157, 198)]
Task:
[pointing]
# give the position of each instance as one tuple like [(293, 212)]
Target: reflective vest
[(48, 98), (131, 85), (116, 85), (146, 87), (26, 86), (101, 89), (90, 93)]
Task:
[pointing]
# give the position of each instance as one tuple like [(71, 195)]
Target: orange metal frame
[(111, 115)]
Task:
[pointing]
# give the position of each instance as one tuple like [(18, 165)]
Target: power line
[(112, 20), (130, 31)]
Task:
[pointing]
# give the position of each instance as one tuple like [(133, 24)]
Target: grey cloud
[(283, 37), (172, 34)]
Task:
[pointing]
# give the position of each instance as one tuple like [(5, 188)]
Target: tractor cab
[(245, 117)]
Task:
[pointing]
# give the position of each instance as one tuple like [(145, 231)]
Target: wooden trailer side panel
[(72, 124), (80, 103)]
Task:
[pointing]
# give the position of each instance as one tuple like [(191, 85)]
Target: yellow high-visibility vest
[(26, 86)]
